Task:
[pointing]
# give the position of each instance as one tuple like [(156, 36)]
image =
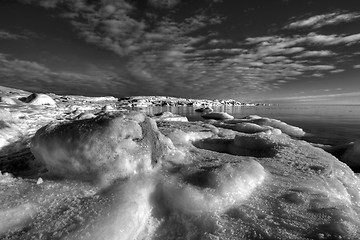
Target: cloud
[(165, 54), (163, 3), (320, 53), (10, 36), (36, 77), (337, 71), (319, 21), (328, 98), (356, 66)]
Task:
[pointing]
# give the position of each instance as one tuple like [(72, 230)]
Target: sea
[(324, 124)]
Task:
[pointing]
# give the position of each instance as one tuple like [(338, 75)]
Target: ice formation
[(39, 99), (101, 149), (122, 175), (217, 116), (254, 124), (169, 117), (352, 155)]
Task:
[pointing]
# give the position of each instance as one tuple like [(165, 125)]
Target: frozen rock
[(217, 116), (169, 117), (39, 99), (102, 149)]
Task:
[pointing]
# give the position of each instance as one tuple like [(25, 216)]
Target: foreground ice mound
[(101, 149)]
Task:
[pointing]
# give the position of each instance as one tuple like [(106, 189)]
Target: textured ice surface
[(124, 176), (101, 149)]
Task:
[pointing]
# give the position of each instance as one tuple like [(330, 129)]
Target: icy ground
[(85, 171)]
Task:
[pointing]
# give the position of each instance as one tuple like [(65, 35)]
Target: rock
[(102, 149), (38, 99), (217, 116)]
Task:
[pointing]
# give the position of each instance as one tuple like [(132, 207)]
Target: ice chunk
[(352, 155), (254, 124), (217, 116), (39, 99), (101, 149), (285, 128), (248, 127), (169, 117)]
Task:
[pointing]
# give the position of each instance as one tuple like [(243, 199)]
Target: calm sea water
[(326, 124)]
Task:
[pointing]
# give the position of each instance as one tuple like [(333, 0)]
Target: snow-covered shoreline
[(96, 171)]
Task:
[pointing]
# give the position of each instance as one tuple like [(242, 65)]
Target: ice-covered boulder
[(101, 149), (217, 116), (39, 99), (169, 117)]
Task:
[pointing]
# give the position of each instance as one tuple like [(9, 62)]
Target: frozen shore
[(84, 169)]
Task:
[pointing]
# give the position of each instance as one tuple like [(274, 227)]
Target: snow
[(124, 175), (100, 149), (255, 124), (39, 99), (169, 117)]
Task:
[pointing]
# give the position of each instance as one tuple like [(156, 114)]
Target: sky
[(302, 51)]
